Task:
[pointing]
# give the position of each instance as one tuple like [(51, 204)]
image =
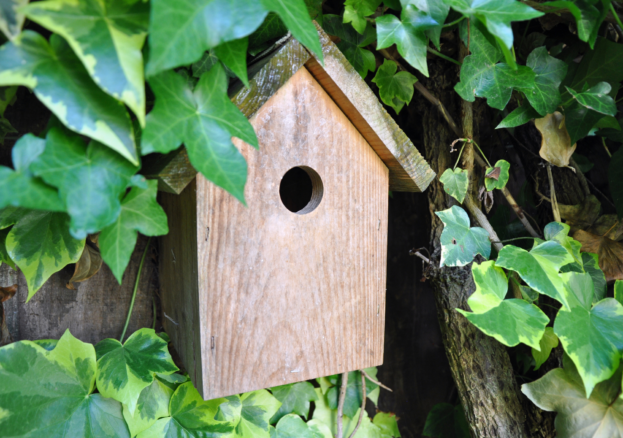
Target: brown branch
[(483, 222), (580, 176), (340, 405), (363, 405), (376, 382)]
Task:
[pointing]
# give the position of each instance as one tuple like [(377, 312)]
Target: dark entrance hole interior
[(301, 190)]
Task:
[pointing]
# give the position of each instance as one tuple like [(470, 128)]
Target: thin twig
[(580, 176), (376, 382), (138, 278), (442, 56), (600, 192), (552, 191), (483, 222), (340, 405), (418, 254), (363, 405), (603, 141)]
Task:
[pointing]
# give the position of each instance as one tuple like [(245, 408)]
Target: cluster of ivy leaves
[(72, 388)]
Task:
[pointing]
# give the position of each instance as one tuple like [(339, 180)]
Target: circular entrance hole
[(301, 190)]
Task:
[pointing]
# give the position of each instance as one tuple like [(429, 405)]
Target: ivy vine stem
[(442, 56), (616, 16), (340, 404), (138, 278), (481, 153), (459, 157), (452, 23)]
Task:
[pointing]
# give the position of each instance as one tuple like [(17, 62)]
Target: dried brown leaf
[(7, 292), (608, 226), (581, 216), (494, 173), (556, 145), (88, 265), (610, 253)]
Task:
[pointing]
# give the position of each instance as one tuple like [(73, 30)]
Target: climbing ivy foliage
[(134, 389)]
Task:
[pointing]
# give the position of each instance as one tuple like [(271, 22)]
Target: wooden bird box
[(291, 287)]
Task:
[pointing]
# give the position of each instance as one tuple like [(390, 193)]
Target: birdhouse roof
[(408, 171)]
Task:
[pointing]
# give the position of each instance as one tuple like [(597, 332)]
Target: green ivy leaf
[(395, 89), (509, 321), (502, 179), (271, 29), (354, 392), (446, 421), (548, 342), (591, 267), (234, 55), (596, 98), (89, 178), (57, 385), (388, 423), (588, 16), (559, 232), (539, 267), (459, 242), (190, 417), (352, 44), (4, 255), (124, 370), (180, 35), (618, 291), (61, 82), (560, 390), (152, 404), (408, 33), (496, 15), (519, 116), (11, 20), (544, 96), (258, 407), (294, 398), (140, 212), (579, 121), (455, 183), (204, 120), (356, 11), (437, 10), (40, 245), (591, 337), (207, 61), (107, 36), (291, 426), (615, 182), (600, 65), (19, 188)]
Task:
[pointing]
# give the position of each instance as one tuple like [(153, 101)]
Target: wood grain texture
[(94, 311), (282, 297), (408, 171)]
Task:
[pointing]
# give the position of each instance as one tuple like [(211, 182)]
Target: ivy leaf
[(352, 44), (459, 242), (124, 370), (354, 392), (107, 36), (587, 16), (4, 255), (140, 212), (579, 121), (496, 15), (294, 398), (179, 35), (234, 55), (455, 183), (591, 267), (190, 417), (207, 61), (204, 120), (61, 82), (519, 116), (502, 175), (11, 21), (618, 291), (438, 11), (596, 98), (600, 65), (152, 404), (19, 188), (291, 426), (509, 321), (89, 178), (40, 245), (57, 385), (395, 89), (591, 337), (269, 31), (408, 33), (356, 11), (539, 267), (446, 421), (388, 423), (258, 407), (560, 390), (548, 342), (544, 96), (559, 232)]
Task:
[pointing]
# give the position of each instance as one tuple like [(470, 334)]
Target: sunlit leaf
[(544, 96), (258, 407), (459, 242), (294, 398), (455, 183), (502, 175), (354, 392), (11, 20), (152, 404), (234, 55), (609, 252), (395, 89), (548, 342), (356, 11), (388, 423)]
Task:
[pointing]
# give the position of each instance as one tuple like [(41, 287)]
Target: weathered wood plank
[(173, 170), (408, 170)]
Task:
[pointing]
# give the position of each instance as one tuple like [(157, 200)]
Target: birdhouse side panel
[(286, 296), (179, 279)]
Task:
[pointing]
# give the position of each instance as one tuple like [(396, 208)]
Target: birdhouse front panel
[(291, 286)]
